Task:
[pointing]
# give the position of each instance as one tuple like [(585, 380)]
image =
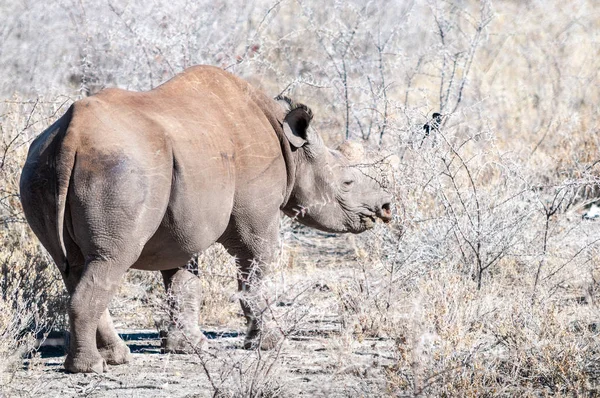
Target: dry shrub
[(494, 342), (142, 300), (18, 327), (33, 296), (218, 278), (286, 304)]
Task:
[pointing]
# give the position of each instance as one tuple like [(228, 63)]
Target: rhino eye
[(348, 183)]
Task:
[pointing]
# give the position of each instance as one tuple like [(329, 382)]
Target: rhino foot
[(267, 339), (85, 363), (180, 342), (115, 354)]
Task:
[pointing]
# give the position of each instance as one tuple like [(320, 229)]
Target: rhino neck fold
[(290, 167), (275, 114)]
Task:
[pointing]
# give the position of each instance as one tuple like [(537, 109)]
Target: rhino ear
[(295, 125)]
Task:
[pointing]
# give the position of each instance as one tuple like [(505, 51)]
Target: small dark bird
[(433, 124), (436, 120)]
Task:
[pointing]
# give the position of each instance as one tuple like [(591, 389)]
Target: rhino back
[(211, 129), (168, 168)]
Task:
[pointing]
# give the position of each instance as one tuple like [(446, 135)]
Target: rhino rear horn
[(295, 126)]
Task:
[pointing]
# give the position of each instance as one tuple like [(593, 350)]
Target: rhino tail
[(64, 161)]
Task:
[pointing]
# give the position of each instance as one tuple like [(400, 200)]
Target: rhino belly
[(190, 226)]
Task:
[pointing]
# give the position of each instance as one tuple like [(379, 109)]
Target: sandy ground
[(323, 358), (311, 366)]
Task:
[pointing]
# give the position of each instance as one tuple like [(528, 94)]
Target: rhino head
[(334, 190)]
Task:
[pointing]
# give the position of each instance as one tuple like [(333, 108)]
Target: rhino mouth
[(369, 218), (369, 221)]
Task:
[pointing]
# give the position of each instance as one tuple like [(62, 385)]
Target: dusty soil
[(321, 358), (312, 366)]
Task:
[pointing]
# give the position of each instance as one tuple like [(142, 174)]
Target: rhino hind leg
[(86, 360), (184, 335), (267, 339), (111, 347), (89, 318)]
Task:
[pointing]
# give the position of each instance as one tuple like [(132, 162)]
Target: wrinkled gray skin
[(144, 180)]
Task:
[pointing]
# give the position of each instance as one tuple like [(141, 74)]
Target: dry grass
[(32, 296), (487, 281)]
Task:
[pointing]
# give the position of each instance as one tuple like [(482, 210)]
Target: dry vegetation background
[(487, 281)]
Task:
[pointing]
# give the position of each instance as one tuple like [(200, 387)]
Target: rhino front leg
[(259, 332), (183, 291), (251, 237)]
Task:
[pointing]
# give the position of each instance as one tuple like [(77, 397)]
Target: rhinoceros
[(146, 179)]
